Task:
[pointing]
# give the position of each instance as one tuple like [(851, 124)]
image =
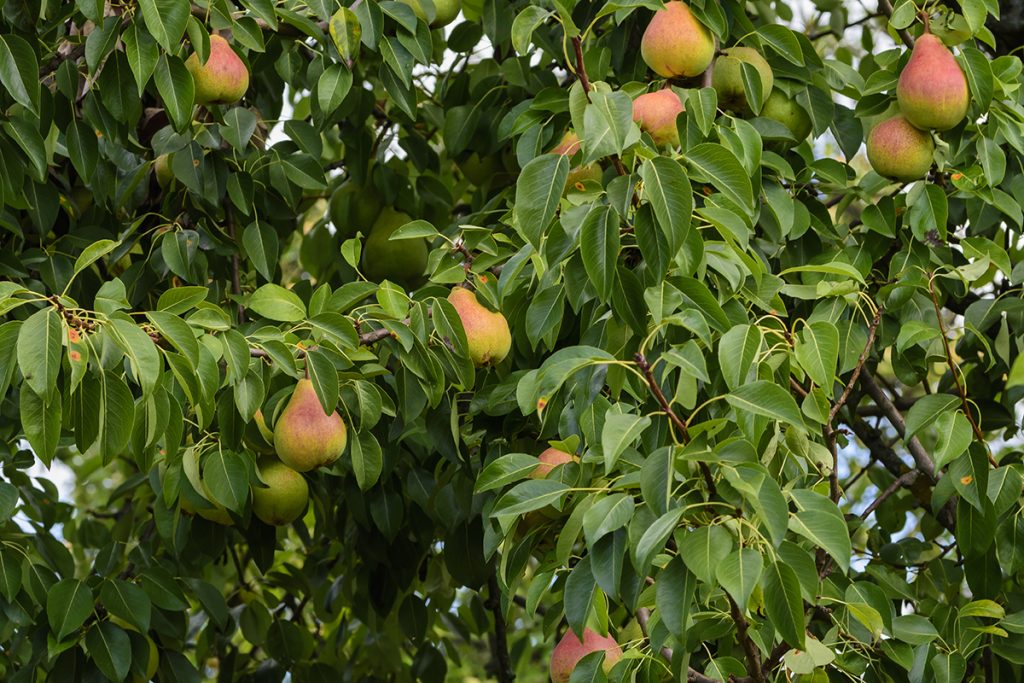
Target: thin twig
[(749, 647), (499, 644), (581, 69), (236, 281), (906, 479), (643, 615), (885, 7), (684, 433)]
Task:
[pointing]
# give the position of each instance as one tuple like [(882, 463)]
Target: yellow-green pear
[(727, 77), (354, 208), (223, 79), (568, 146), (896, 149), (656, 112), (257, 436), (486, 331), (784, 109), (401, 261), (306, 437), (445, 11), (162, 171), (570, 650), (932, 89), (675, 43), (284, 499)]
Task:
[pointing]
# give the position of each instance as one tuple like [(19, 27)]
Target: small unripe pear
[(570, 650), (306, 437), (656, 112), (162, 171), (445, 11), (932, 90), (223, 79), (354, 208), (675, 43), (727, 77), (784, 109), (402, 261), (285, 498), (898, 150), (568, 146), (487, 331), (549, 460)]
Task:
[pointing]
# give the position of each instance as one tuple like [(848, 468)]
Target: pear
[(784, 109), (549, 460), (285, 498), (568, 146), (403, 261), (656, 112), (223, 79), (486, 331), (257, 436), (727, 78), (570, 650), (932, 90), (305, 437), (162, 171), (445, 11), (354, 208), (896, 149), (675, 43)]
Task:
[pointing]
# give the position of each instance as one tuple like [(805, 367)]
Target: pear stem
[(926, 20)]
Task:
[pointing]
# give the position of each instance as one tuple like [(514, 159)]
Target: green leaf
[(817, 350), (608, 122), (505, 470), (820, 521), (83, 150), (178, 333), (736, 353), (142, 353), (332, 87), (127, 601), (580, 589), (176, 88), (274, 302), (606, 515), (738, 573), (39, 346), (8, 500), (768, 399), (599, 247), (675, 588), (346, 32), (25, 134), (111, 649), (260, 242), (914, 629), (10, 573), (526, 22), (239, 125), (784, 42), (226, 477), (530, 495), (720, 167), (367, 459), (618, 433), (978, 69), (654, 539), (703, 549), (927, 410), (538, 191), (166, 20), (783, 602), (19, 71), (41, 421), (954, 436), (324, 377), (178, 300), (929, 213), (68, 605), (142, 53), (116, 415), (668, 190)]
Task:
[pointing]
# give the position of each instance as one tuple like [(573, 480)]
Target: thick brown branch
[(921, 457), (753, 655), (885, 7)]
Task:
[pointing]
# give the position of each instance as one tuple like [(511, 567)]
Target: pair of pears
[(932, 94)]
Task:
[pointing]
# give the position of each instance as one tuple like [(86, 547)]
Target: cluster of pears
[(571, 649), (677, 45), (932, 94), (223, 78)]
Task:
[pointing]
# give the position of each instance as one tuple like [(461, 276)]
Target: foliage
[(794, 385)]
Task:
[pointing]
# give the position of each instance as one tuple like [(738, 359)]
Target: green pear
[(223, 79), (568, 146), (284, 499), (675, 43), (570, 650), (479, 170), (162, 171), (896, 149), (402, 261), (932, 89), (257, 436), (306, 437), (727, 78), (486, 331), (656, 112), (354, 208), (445, 11), (784, 109)]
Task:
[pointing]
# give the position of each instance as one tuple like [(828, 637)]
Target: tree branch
[(499, 644), (906, 479), (236, 281), (581, 69), (885, 7), (749, 647), (921, 457), (643, 615)]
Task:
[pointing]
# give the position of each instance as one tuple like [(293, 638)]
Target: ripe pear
[(727, 78), (445, 11), (570, 650), (568, 146), (784, 109), (676, 43), (305, 437), (656, 112), (549, 460), (354, 208), (486, 331), (223, 79), (896, 149), (403, 261), (285, 498), (932, 90)]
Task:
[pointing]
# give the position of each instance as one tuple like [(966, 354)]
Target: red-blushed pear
[(570, 650), (285, 497), (898, 150), (306, 437), (223, 79), (549, 460), (568, 146), (675, 43), (656, 112), (932, 90), (727, 78), (486, 331)]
